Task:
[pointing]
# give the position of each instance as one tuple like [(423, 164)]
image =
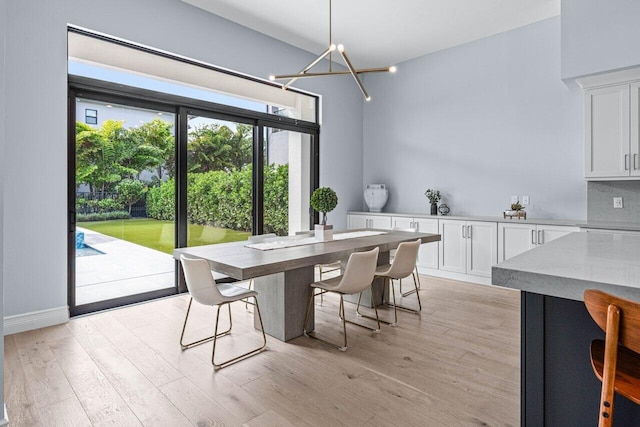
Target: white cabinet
[(468, 247), (428, 254), (514, 239), (369, 221), (607, 132), (612, 125)]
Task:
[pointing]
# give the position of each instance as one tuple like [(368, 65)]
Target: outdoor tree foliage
[(215, 147), (130, 191), (111, 158)]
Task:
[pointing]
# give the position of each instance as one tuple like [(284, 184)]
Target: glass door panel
[(219, 181), (124, 202), (287, 181)]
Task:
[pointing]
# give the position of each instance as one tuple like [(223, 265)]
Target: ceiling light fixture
[(304, 73)]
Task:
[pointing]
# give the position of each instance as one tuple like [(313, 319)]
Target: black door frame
[(82, 87)]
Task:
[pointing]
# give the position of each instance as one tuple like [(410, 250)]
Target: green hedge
[(103, 216), (223, 199)]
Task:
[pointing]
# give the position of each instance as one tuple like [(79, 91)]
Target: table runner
[(279, 243)]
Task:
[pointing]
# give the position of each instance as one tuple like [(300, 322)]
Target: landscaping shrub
[(223, 199), (103, 216), (161, 201)]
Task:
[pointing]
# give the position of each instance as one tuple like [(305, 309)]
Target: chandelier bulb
[(340, 48), (272, 77), (393, 69), (368, 98), (332, 47)]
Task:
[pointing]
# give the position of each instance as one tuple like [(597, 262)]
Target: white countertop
[(567, 266), (605, 225)]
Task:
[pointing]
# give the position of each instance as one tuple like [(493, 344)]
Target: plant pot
[(434, 209), (324, 232)]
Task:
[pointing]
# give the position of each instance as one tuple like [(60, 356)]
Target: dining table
[(282, 268)]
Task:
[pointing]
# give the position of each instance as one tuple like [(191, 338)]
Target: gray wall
[(600, 201), (599, 36), (35, 268), (480, 122)]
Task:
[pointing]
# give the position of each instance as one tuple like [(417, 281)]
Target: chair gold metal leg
[(411, 310), (244, 355), (392, 324), (417, 284), (203, 340), (246, 301)]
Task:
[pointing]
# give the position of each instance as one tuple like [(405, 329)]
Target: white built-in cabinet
[(370, 221), (612, 125), (428, 254), (468, 247), (514, 239)]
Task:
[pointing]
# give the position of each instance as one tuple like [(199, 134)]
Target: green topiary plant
[(516, 206), (324, 200)]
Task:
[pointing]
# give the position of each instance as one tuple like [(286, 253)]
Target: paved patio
[(123, 269)]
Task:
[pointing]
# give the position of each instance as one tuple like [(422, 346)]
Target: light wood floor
[(455, 365)]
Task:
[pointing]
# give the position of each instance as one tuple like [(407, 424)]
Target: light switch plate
[(525, 200), (514, 199), (617, 202)]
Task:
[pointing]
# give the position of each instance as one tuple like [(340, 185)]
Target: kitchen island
[(558, 387)]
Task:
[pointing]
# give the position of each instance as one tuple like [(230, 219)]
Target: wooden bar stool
[(616, 360)]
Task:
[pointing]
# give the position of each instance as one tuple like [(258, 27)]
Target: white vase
[(324, 232), (375, 196)]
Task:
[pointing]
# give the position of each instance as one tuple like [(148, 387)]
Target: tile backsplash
[(600, 196)]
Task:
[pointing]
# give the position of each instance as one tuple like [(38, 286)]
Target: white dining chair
[(402, 266), (204, 289), (392, 254), (358, 276), (323, 269)]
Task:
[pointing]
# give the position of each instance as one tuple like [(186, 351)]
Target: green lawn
[(159, 235)]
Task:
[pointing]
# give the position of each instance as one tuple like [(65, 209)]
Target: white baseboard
[(455, 276), (5, 420), (35, 320)]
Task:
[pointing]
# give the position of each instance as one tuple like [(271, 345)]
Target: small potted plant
[(434, 197), (516, 210), (324, 200)]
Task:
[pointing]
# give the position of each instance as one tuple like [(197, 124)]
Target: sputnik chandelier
[(304, 73)]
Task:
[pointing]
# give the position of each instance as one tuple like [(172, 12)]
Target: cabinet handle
[(463, 232), (626, 162), (533, 237), (635, 161), (417, 226), (468, 232), (540, 237)]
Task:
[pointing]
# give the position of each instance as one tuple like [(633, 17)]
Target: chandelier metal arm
[(302, 75), (295, 77), (353, 72)]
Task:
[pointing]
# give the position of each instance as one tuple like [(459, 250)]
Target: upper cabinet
[(612, 123)]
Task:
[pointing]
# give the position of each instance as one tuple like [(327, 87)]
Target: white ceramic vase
[(375, 196)]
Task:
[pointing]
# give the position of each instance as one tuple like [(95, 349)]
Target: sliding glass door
[(149, 172), (124, 180), (219, 180)]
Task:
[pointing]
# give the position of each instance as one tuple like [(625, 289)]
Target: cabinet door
[(635, 129), (428, 254), (547, 233), (358, 221), (607, 132), (514, 239), (401, 222), (453, 246), (482, 248), (380, 222)]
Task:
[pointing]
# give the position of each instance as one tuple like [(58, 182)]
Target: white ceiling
[(380, 33)]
